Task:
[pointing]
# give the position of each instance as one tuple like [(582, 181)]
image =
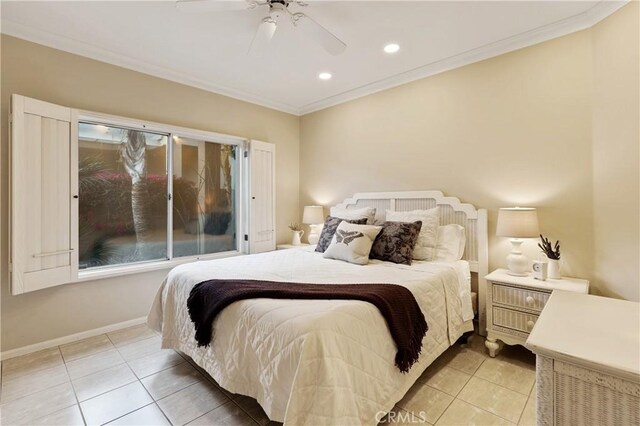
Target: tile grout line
[(228, 402), (132, 411), (245, 411), (138, 379), (133, 359), (109, 338), (156, 372), (97, 371), (490, 381), (525, 407), (75, 395), (173, 393), (73, 389), (209, 380), (126, 414), (495, 414), (137, 409), (503, 387), (29, 392), (443, 411), (162, 412), (124, 362), (489, 412), (117, 387)]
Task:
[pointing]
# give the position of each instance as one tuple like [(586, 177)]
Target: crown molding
[(103, 55), (538, 35), (547, 32)]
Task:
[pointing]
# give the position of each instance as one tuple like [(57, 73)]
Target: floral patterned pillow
[(329, 229), (396, 241)]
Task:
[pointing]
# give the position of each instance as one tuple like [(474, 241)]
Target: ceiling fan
[(278, 10)]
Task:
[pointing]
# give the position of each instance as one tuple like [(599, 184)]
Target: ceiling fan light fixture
[(277, 11), (391, 48), (325, 76)]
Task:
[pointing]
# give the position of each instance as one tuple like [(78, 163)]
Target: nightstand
[(290, 246), (514, 304)]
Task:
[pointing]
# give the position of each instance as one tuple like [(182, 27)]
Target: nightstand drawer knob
[(530, 301), (530, 324)]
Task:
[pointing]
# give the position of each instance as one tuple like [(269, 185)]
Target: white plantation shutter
[(43, 174), (262, 208)]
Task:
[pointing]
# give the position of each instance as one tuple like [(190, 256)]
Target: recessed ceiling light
[(391, 48), (325, 76)]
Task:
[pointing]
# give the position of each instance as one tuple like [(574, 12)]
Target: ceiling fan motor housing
[(277, 10)]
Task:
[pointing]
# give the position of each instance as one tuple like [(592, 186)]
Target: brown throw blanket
[(396, 304)]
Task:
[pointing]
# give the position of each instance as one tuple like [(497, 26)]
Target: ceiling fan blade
[(211, 5), (320, 34), (264, 34)]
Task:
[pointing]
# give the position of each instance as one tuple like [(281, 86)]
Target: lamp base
[(517, 262), (314, 234)]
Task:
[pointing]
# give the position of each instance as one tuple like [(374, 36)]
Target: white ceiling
[(208, 50)]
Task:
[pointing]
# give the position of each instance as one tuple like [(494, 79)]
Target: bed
[(325, 361)]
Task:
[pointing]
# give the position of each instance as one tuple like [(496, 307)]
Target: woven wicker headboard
[(474, 220)]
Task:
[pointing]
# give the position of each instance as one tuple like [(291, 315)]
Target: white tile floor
[(124, 378)]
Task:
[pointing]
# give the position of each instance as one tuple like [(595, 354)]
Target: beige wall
[(616, 130), (553, 126), (55, 76), (512, 130)]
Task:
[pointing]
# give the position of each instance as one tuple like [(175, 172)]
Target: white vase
[(554, 269), (296, 238)]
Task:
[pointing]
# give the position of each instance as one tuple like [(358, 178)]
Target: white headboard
[(474, 220)]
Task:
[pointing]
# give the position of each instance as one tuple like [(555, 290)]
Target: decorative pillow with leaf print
[(396, 241)]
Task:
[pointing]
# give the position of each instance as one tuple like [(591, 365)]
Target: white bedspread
[(313, 362)]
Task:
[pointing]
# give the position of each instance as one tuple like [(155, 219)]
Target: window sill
[(118, 271)]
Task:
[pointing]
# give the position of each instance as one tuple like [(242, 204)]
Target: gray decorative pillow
[(396, 241), (330, 225)]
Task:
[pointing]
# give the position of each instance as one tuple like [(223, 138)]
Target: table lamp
[(517, 223), (314, 217)]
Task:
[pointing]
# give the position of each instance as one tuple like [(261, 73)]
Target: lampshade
[(517, 222), (313, 215)]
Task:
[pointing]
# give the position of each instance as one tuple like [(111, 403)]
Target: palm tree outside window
[(124, 203)]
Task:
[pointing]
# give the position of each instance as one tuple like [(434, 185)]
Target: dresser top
[(567, 284), (593, 331)]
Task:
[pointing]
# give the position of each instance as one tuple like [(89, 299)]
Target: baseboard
[(12, 353)]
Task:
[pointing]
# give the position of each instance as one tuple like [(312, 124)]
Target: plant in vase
[(296, 239), (553, 254)]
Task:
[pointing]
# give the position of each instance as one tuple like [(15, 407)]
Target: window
[(204, 194), (122, 183), (94, 196), (130, 212)]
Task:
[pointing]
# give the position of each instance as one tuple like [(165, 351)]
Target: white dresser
[(514, 304), (587, 361)]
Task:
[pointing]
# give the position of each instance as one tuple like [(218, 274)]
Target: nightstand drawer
[(519, 297), (515, 320)]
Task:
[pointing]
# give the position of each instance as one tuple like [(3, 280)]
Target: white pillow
[(352, 243), (450, 243), (349, 214), (426, 245)]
